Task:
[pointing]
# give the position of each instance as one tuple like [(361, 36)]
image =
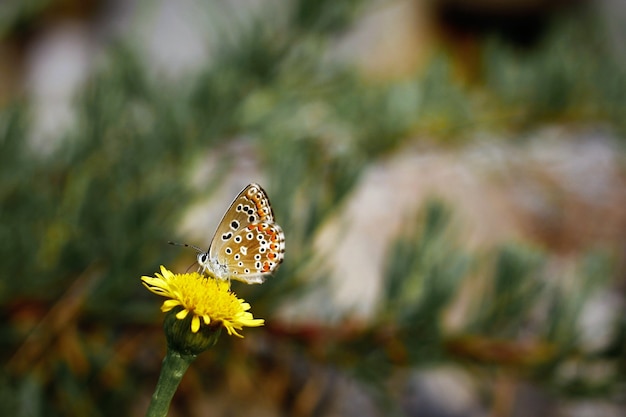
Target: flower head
[(207, 300)]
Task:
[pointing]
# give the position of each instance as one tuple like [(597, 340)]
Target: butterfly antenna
[(186, 245)]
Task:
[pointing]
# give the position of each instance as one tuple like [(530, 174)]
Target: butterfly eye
[(203, 258)]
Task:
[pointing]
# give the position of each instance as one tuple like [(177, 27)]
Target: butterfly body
[(248, 245)]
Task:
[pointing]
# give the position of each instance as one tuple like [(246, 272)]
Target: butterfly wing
[(247, 242), (253, 252)]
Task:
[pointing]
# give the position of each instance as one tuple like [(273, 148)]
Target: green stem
[(174, 367)]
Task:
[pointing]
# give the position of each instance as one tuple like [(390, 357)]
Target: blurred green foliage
[(574, 75), (81, 224)]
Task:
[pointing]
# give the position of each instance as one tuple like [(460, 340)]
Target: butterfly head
[(212, 266)]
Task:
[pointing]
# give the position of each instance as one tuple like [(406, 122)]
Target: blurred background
[(450, 176)]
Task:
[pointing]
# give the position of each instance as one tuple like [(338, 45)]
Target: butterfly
[(247, 245)]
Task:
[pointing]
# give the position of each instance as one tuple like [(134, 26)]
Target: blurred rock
[(563, 189)]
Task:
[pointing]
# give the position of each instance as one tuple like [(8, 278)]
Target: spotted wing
[(253, 252), (250, 208)]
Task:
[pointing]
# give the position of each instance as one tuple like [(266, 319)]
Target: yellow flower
[(206, 299)]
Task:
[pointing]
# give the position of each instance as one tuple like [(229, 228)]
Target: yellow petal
[(169, 304), (195, 324)]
